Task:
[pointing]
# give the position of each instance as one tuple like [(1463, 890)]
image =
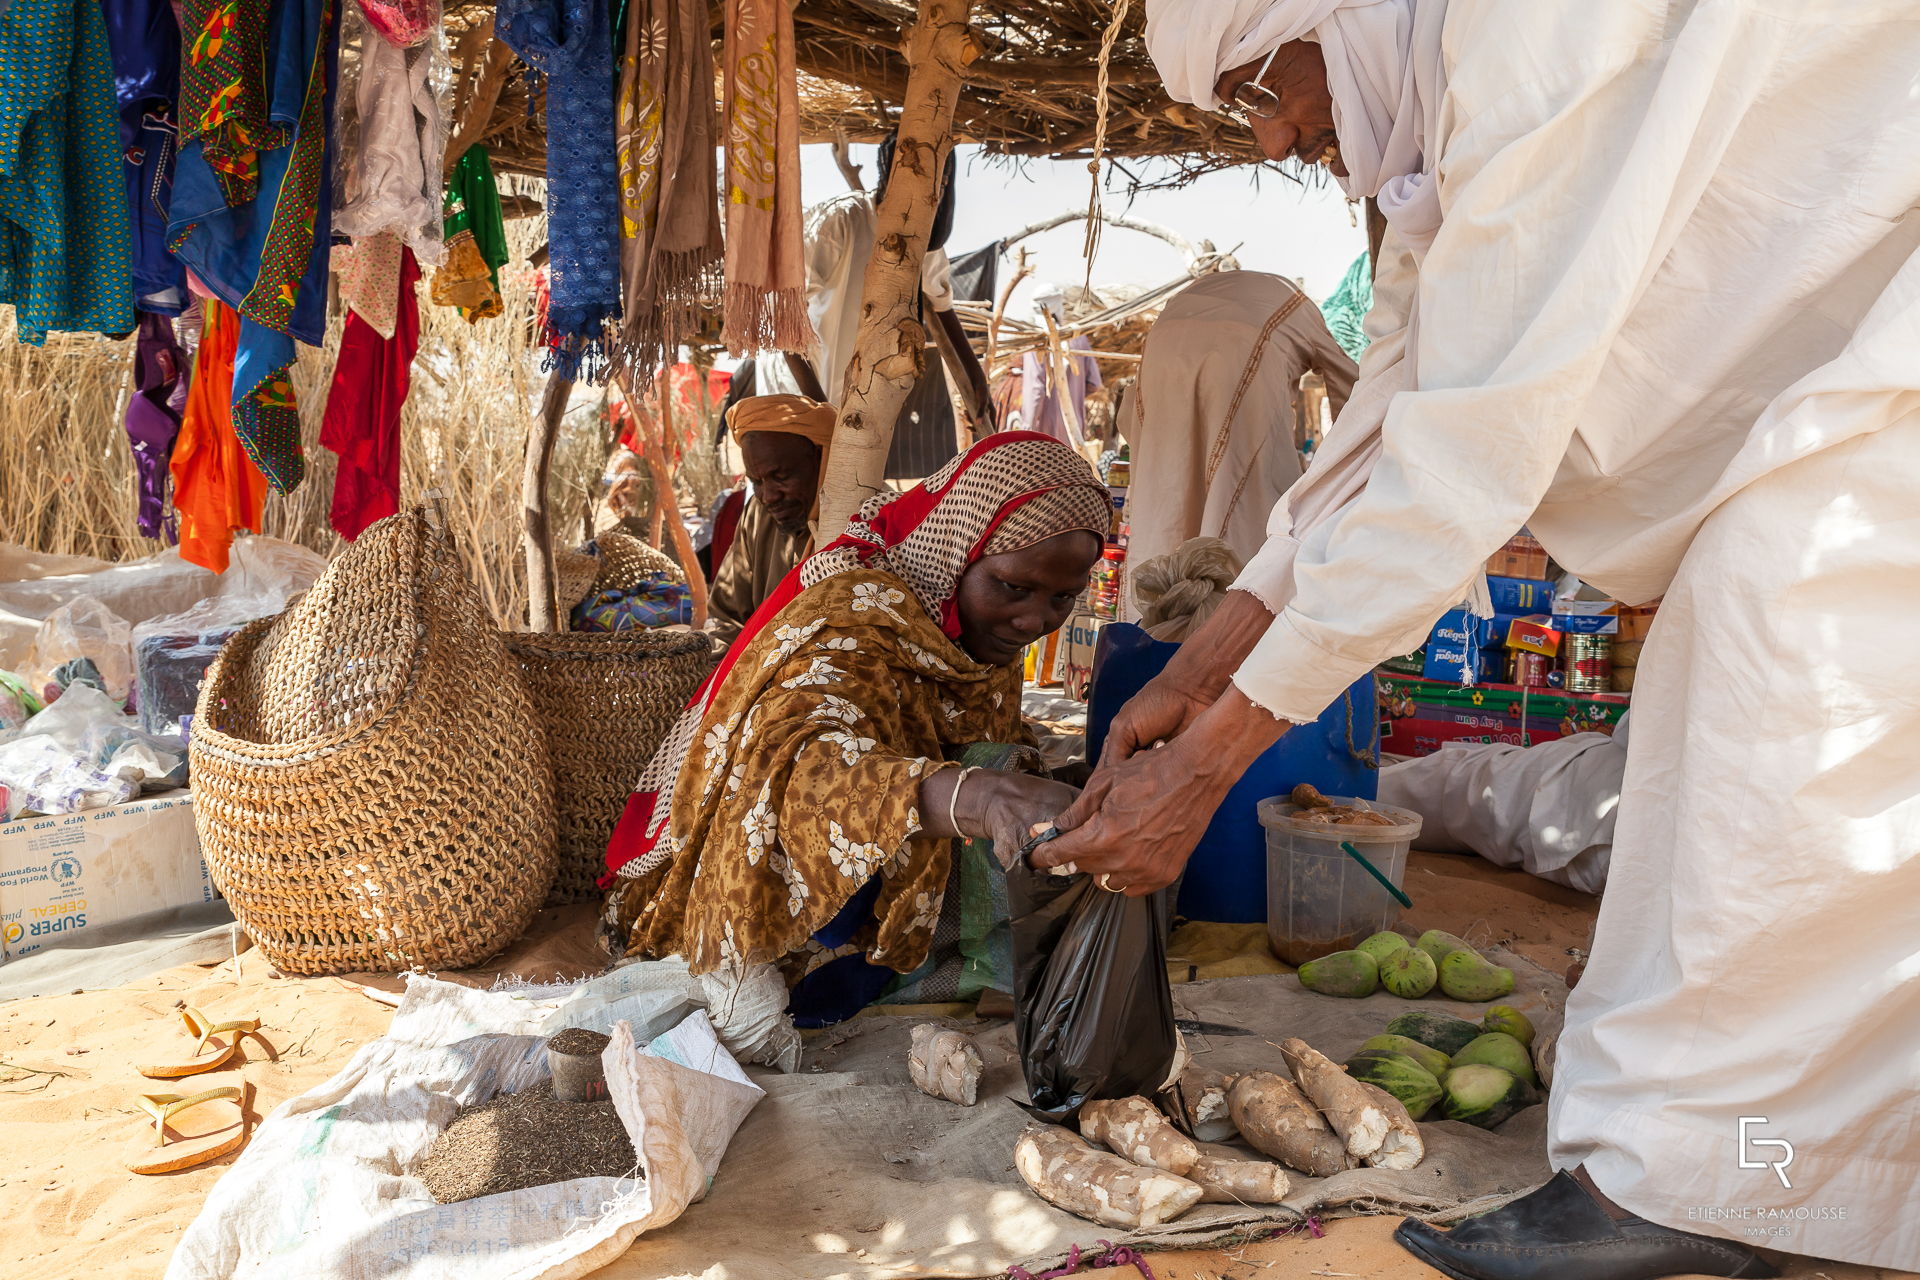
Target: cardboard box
[(1419, 716), (1522, 557), (1462, 649), (1533, 635), (1520, 596), (1586, 617), (68, 874), (1079, 638)]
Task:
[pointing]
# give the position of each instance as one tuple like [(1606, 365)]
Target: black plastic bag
[(1094, 1011)]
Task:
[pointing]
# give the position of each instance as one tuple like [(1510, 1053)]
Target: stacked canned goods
[(1587, 663)]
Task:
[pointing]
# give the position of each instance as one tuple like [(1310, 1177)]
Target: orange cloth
[(216, 487)]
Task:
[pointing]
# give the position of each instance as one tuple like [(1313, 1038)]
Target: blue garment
[(63, 212), (145, 40), (228, 248), (569, 43)]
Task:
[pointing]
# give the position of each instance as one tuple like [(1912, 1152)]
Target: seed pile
[(526, 1139), (579, 1040)]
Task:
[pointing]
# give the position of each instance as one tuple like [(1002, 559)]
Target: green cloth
[(972, 947), (65, 240), (473, 204), (1346, 310)]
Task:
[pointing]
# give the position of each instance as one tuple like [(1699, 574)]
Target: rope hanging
[(1101, 108)]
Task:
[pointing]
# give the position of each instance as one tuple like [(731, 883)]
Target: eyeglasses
[(1252, 100)]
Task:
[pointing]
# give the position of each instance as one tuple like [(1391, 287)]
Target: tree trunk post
[(543, 611), (890, 351)]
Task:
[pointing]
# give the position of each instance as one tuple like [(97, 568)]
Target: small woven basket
[(625, 561), (606, 699), (368, 784)]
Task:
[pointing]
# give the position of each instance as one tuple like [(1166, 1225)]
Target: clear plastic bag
[(82, 753), (81, 632)]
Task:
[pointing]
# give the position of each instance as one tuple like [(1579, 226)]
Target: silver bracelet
[(953, 799)]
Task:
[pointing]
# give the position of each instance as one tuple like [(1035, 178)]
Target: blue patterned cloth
[(570, 44), (145, 40), (63, 208)]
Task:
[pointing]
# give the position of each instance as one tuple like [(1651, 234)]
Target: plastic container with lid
[(1319, 900)]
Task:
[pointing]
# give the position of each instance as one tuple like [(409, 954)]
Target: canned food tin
[(1534, 670), (1588, 663)]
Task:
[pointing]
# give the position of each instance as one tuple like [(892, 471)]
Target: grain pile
[(526, 1139)]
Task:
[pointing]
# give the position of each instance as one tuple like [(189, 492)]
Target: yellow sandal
[(203, 1030), (210, 1134)]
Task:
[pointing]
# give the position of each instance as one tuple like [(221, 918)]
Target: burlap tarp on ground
[(844, 1170)]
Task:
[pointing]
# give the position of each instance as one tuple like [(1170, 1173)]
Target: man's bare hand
[(1136, 825)]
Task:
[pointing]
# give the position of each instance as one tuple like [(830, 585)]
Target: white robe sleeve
[(1552, 225)]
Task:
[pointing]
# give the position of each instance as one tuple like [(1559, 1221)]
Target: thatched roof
[(1031, 93)]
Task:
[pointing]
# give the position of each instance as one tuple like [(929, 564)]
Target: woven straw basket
[(606, 700), (625, 560), (367, 780)]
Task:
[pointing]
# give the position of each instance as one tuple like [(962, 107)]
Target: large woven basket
[(606, 700), (370, 785)]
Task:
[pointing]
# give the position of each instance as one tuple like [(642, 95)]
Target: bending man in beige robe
[(1215, 418)]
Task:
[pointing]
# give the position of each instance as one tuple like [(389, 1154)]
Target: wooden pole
[(663, 495), (890, 351), (543, 610)]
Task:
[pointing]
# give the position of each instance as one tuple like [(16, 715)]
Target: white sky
[(1307, 234)]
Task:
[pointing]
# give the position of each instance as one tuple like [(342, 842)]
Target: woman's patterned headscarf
[(1011, 490)]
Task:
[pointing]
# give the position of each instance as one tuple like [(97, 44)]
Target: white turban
[(1383, 70)]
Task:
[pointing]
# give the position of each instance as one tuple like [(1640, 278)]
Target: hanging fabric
[(390, 129), (568, 42), (216, 487), (368, 271), (252, 207), (476, 235), (63, 210), (153, 417), (765, 302), (362, 421), (670, 241), (145, 40)]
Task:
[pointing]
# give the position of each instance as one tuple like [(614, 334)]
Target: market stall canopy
[(1032, 92)]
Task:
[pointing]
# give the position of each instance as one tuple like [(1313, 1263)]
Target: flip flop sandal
[(200, 1133), (204, 1031)]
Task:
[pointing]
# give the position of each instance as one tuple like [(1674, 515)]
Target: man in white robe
[(1652, 290)]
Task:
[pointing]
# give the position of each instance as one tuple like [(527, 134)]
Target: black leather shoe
[(1561, 1233)]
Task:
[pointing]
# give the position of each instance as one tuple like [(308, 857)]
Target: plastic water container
[(1319, 900), (1225, 877)]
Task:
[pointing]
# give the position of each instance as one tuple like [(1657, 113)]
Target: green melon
[(1498, 1049), (1431, 1060), (1504, 1017), (1409, 973), (1440, 944), (1400, 1076), (1441, 1031), (1464, 975), (1484, 1096), (1382, 946), (1344, 973)]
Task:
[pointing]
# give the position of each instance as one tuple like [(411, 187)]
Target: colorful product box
[(1520, 595), (1419, 716)]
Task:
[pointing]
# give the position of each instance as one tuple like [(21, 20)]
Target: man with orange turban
[(783, 446)]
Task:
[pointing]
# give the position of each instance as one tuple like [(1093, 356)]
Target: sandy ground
[(68, 1079)]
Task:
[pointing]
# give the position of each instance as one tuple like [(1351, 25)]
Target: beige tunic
[(760, 554)]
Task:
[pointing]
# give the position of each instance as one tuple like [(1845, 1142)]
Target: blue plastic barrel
[(1227, 877)]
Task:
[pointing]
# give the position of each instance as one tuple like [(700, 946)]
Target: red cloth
[(216, 487), (726, 523), (362, 422), (690, 408)]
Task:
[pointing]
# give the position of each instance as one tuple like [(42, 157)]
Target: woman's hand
[(1007, 807)]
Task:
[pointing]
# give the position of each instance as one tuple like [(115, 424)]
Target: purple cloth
[(1040, 400), (144, 38), (153, 418)]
